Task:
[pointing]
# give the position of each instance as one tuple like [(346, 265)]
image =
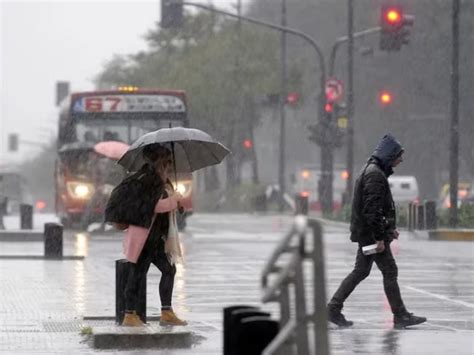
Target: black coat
[(133, 200), (373, 215)]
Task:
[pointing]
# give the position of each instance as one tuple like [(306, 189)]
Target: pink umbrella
[(111, 149)]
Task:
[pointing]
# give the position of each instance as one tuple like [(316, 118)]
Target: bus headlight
[(184, 188), (80, 190)]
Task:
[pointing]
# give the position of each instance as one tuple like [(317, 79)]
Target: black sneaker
[(335, 316), (406, 320)]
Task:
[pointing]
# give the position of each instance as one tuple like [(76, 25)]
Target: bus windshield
[(122, 127)]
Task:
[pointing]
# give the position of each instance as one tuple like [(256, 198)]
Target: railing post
[(284, 299), (320, 311), (430, 215), (302, 345)]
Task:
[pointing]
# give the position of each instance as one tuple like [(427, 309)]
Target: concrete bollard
[(420, 218), (260, 203), (26, 216), (3, 210), (122, 272), (229, 325), (301, 204), (255, 333), (410, 216), (431, 221), (236, 338), (53, 241)]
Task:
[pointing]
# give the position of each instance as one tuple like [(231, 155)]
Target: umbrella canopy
[(111, 149), (193, 149)]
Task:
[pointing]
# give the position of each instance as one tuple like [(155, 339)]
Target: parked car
[(464, 193), (404, 189)]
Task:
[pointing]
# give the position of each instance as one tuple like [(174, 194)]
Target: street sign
[(334, 90)]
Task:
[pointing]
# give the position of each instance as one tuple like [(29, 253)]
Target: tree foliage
[(226, 69)]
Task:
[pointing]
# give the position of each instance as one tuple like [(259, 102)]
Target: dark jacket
[(133, 200), (373, 215)]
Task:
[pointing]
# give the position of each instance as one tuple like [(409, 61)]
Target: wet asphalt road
[(43, 302)]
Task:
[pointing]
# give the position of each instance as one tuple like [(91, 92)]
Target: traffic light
[(247, 144), (394, 25), (13, 142), (329, 107), (172, 13), (385, 98), (292, 98)]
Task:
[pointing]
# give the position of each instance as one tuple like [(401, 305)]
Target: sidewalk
[(44, 302)]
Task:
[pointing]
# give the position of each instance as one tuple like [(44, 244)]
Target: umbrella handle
[(174, 166)]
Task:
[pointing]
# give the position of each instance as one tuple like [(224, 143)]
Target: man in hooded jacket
[(373, 221)]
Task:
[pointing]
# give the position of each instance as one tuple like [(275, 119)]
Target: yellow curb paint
[(454, 235)]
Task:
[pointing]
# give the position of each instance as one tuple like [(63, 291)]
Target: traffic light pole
[(326, 151), (350, 98), (283, 91), (345, 39), (454, 141), (350, 90)]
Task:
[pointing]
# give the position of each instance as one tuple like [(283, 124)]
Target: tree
[(201, 60)]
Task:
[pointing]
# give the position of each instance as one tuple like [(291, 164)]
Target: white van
[(404, 189)]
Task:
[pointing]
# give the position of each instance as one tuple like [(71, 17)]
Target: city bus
[(84, 178)]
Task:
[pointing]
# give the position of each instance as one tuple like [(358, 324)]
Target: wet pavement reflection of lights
[(79, 287), (180, 284), (81, 245)]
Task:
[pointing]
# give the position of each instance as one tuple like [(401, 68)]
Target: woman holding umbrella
[(145, 204), (151, 235)]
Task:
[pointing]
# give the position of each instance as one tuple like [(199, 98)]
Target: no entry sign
[(334, 90)]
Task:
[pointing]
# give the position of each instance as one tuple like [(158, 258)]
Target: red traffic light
[(329, 107), (385, 98), (392, 16), (292, 98), (247, 144)]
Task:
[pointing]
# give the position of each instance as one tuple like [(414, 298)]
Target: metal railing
[(280, 277)]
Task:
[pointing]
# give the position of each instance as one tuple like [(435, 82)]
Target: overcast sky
[(46, 41)]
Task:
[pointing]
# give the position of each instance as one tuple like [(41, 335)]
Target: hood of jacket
[(387, 151)]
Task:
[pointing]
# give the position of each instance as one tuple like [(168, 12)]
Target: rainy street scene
[(237, 177)]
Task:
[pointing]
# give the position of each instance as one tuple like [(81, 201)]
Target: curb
[(452, 234), (149, 337), (21, 235)]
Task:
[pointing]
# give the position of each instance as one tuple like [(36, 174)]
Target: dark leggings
[(153, 252), (387, 265)]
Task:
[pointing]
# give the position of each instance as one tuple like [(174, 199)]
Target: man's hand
[(396, 234), (380, 246)]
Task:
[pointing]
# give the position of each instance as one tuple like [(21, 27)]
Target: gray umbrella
[(192, 148)]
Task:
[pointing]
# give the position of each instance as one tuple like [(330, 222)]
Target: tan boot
[(132, 320), (169, 318)]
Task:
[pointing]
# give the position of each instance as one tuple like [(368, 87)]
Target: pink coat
[(135, 236)]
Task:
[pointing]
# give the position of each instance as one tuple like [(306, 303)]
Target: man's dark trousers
[(386, 263)]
